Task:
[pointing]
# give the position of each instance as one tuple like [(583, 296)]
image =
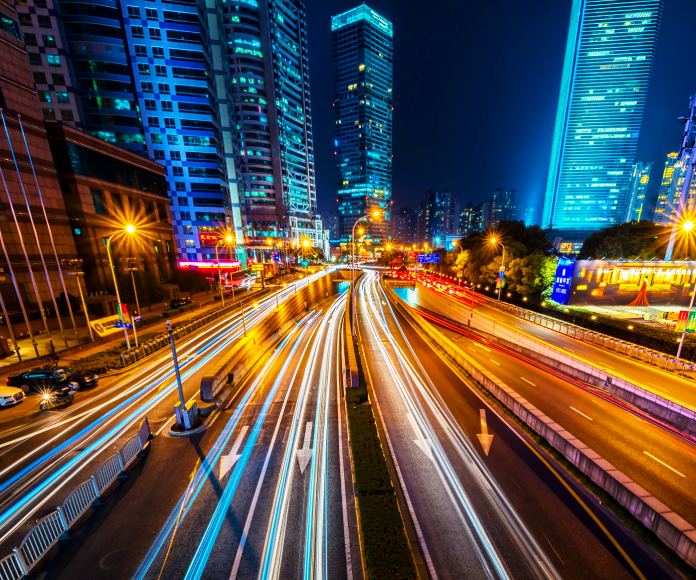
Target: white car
[(10, 396)]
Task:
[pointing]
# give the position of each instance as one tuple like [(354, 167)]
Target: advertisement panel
[(107, 325), (691, 322), (563, 280), (681, 321)]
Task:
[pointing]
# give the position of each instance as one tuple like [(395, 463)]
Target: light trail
[(129, 411), (207, 467), (416, 392)]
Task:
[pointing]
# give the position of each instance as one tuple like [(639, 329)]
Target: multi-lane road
[(502, 515)]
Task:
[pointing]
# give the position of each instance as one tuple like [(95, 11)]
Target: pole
[(84, 306), (118, 295), (137, 307), (9, 328), (502, 271), (243, 319), (681, 340), (179, 386), (217, 261)]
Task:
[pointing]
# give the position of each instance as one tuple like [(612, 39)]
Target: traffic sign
[(257, 267)]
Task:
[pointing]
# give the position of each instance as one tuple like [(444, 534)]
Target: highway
[(46, 454), (664, 383), (501, 515), (660, 461), (265, 491)]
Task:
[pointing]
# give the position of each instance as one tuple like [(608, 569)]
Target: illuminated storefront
[(617, 283)]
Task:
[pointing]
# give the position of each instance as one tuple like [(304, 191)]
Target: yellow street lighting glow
[(305, 243), (376, 214), (229, 239), (130, 229), (688, 226)]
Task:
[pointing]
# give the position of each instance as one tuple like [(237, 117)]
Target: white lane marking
[(581, 413), (227, 461), (304, 454), (528, 381), (651, 456), (422, 442), (483, 347), (495, 362)]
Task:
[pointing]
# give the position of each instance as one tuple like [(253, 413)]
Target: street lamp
[(495, 241), (227, 239), (375, 214), (687, 227), (129, 229)]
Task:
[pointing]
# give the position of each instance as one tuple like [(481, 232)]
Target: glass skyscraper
[(608, 60), (363, 77), (640, 178), (269, 78)]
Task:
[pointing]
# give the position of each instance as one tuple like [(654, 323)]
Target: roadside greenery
[(631, 241), (385, 546)]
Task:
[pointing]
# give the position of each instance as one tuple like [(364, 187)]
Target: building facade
[(470, 220), (608, 61), (35, 236), (665, 204), (502, 206), (362, 43), (640, 178), (437, 217), (403, 224), (268, 71), (105, 188)]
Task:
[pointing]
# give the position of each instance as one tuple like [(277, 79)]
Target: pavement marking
[(528, 381), (495, 362), (581, 413), (651, 456), (483, 347)]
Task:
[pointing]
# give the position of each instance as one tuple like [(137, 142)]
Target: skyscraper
[(503, 206), (269, 78), (608, 60), (665, 202), (640, 177), (363, 73), (470, 220)]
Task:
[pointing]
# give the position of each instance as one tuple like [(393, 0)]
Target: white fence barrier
[(48, 530)]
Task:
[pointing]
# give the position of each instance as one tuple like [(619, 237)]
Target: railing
[(46, 532)]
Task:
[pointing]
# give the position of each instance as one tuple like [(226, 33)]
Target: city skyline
[(445, 160)]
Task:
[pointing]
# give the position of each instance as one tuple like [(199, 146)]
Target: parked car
[(180, 302), (56, 398), (10, 396), (39, 380)]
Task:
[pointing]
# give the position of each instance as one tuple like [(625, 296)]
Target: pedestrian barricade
[(47, 531)]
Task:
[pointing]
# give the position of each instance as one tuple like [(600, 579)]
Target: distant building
[(363, 48), (528, 216), (665, 196), (437, 217), (608, 62), (470, 220), (502, 206), (640, 178), (404, 225)]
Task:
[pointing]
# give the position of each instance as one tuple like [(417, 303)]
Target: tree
[(632, 241)]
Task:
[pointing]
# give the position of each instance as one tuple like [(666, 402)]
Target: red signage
[(681, 321), (208, 238)]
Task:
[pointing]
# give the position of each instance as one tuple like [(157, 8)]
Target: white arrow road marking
[(485, 438), (227, 461), (422, 442), (305, 454)]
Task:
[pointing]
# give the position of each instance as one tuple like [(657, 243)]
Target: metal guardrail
[(47, 531)]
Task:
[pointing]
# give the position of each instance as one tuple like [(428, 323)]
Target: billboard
[(563, 280), (428, 258)]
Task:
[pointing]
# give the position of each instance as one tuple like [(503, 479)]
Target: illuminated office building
[(608, 60), (269, 78), (363, 74), (665, 201), (640, 178)]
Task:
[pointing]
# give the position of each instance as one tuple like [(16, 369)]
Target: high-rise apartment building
[(470, 220), (665, 203), (362, 43), (502, 206), (403, 224), (677, 196), (268, 67), (437, 217), (640, 178), (608, 60)]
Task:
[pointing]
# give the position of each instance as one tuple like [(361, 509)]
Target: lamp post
[(129, 229), (495, 241), (131, 269), (687, 227), (375, 214), (228, 239)]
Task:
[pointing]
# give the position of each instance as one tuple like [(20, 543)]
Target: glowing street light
[(227, 240), (494, 241), (130, 230), (686, 226), (374, 214)]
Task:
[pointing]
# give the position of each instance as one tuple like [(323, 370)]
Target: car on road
[(40, 380), (56, 397), (10, 396)]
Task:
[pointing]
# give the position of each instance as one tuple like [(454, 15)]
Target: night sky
[(475, 91)]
